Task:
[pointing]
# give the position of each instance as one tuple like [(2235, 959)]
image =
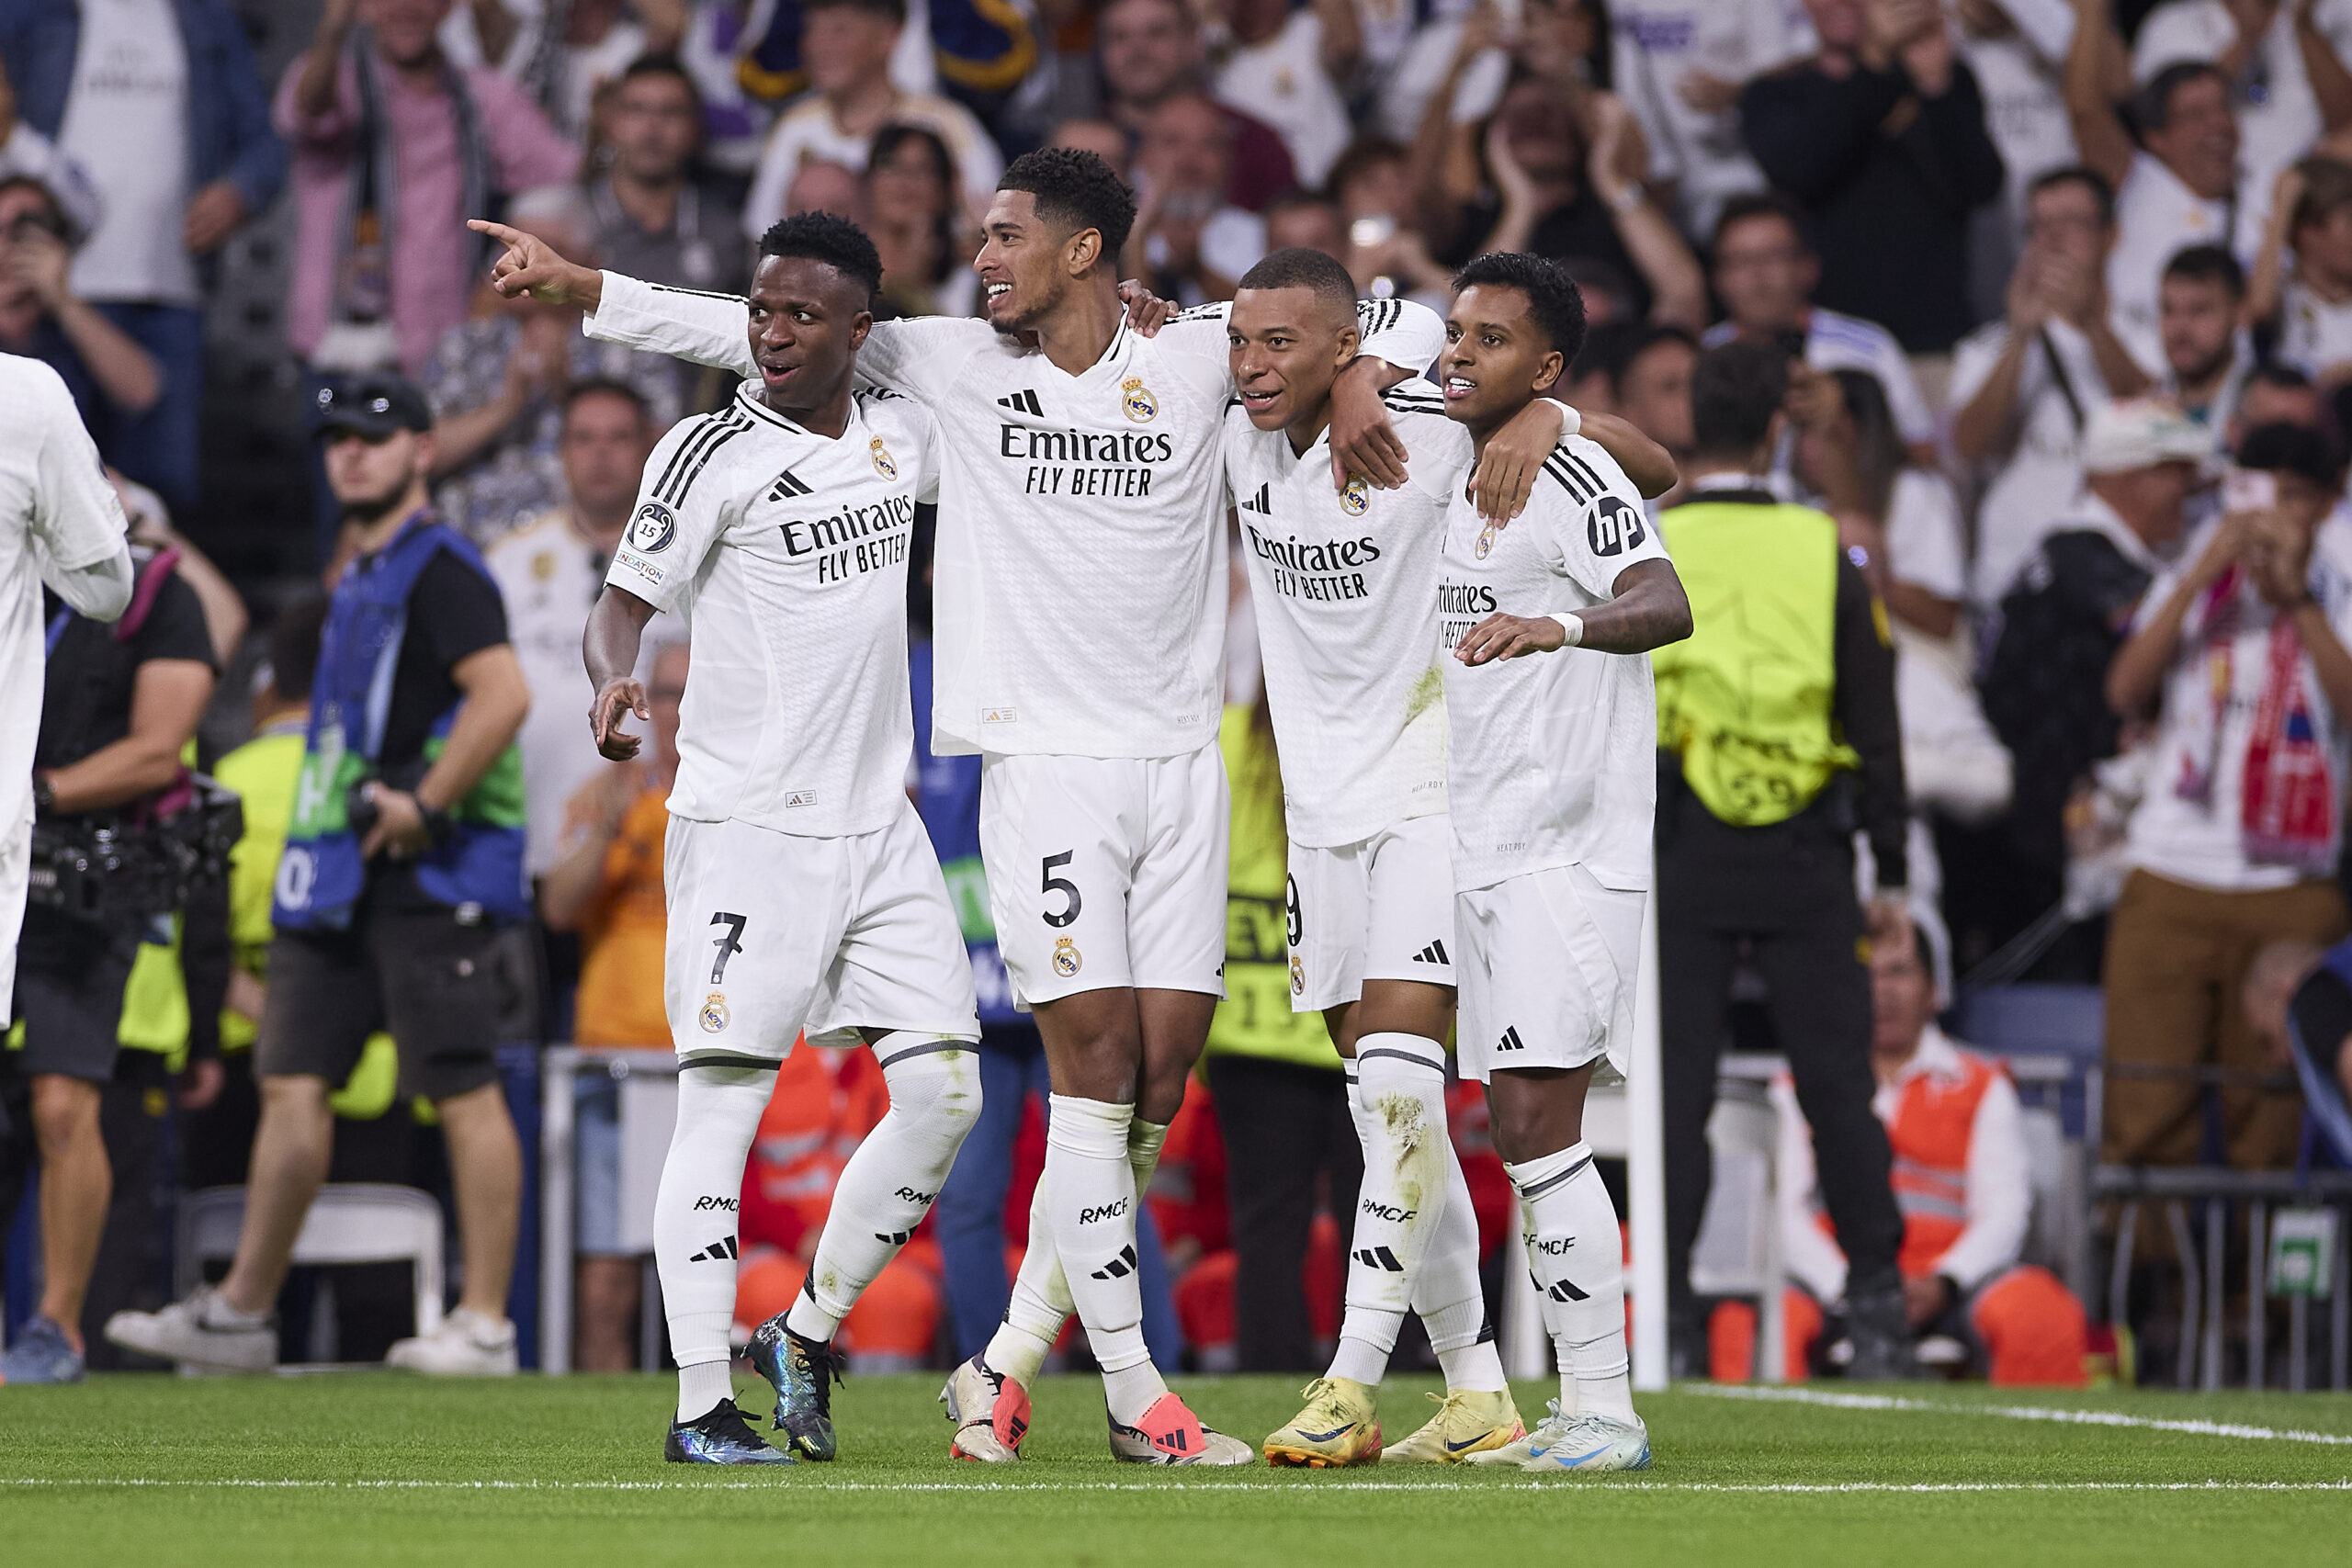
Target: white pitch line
[(1302, 1487), (2017, 1412)]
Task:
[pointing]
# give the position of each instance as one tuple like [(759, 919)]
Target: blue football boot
[(802, 1373), (722, 1436)]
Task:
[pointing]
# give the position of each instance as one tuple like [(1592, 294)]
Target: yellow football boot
[(1338, 1427), (1469, 1421)]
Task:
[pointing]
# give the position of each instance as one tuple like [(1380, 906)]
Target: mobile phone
[(2249, 490)]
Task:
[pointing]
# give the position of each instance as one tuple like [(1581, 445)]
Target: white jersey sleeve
[(677, 523), (75, 516), (689, 323), (923, 357), (1597, 528)]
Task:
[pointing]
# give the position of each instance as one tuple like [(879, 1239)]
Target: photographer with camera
[(119, 704), (404, 858)]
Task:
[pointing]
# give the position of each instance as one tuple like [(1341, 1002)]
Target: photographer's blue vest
[(321, 875)]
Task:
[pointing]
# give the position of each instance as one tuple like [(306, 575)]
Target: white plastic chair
[(350, 1223), (1738, 1249)]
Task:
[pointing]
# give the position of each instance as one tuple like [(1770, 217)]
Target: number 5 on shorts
[(728, 945), (1060, 884)]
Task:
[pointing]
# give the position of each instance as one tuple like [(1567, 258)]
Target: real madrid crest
[(1486, 542), (1356, 497), (715, 1015), (1298, 976), (1137, 400), (882, 463), (1067, 962), (543, 565)]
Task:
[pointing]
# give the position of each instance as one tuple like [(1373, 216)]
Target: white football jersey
[(1080, 590), (1346, 621), (1553, 756), (786, 555)]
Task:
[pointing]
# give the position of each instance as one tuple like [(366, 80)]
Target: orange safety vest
[(1929, 1135)]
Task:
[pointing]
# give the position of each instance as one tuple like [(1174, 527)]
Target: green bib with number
[(1746, 700)]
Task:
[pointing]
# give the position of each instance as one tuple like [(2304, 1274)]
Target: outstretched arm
[(707, 328), (1649, 610)]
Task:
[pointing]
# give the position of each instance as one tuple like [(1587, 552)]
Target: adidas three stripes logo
[(723, 1250), (1378, 1257), (1433, 954), (1023, 402), (1510, 1040), (1565, 1291), (1119, 1268)]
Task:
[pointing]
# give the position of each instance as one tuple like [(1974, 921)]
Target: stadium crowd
[(2049, 305)]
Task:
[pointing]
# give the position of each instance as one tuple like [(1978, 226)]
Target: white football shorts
[(1380, 908), (1548, 964), (1107, 872), (774, 935)]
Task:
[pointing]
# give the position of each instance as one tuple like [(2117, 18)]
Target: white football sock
[(693, 1222), (1400, 1113), (1449, 1296), (1578, 1257), (1091, 1205), (889, 1183)]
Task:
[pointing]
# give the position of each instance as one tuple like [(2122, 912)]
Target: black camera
[(105, 870)]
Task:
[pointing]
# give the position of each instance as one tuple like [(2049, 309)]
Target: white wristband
[(1574, 625), (1571, 421)]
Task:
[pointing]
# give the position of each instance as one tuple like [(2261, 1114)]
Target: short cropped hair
[(1762, 204), (1735, 392), (2208, 264), (825, 237), (1552, 296), (2151, 105), (1077, 189), (1614, 347), (1299, 267), (2292, 449), (606, 386), (2081, 174), (2328, 190)]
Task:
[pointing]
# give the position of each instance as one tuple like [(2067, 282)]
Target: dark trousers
[(1288, 1141), (1783, 897)]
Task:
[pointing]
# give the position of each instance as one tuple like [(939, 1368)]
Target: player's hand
[(1146, 311), (616, 700), (1506, 474), (400, 830), (1363, 441), (530, 265), (1509, 637), (213, 214)]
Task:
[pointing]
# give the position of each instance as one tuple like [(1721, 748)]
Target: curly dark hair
[(1553, 299), (1077, 188), (828, 238)]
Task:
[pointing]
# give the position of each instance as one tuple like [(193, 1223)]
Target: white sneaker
[(1588, 1441), (199, 1332), (990, 1412), (466, 1345)]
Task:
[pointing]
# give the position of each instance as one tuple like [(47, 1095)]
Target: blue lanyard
[(57, 629)]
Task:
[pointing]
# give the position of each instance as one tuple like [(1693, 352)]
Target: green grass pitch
[(134, 1471)]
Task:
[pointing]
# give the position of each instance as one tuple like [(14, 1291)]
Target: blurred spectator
[(158, 101), (824, 187), (2320, 1004), (1188, 240), (1962, 1181), (735, 123), (41, 316), (2206, 354), (1285, 66), (2239, 651), (1881, 137), (607, 885), (1151, 53), (119, 702), (2276, 394), (566, 52), (847, 46), (2285, 61), (1100, 137), (497, 384), (1279, 1088), (2017, 49), (1765, 272), (917, 223), (652, 219), (1762, 782), (2025, 385), (548, 570), (1306, 221), (1556, 170), (2310, 303), (26, 153), (983, 49), (1641, 374), (1373, 184), (2178, 185), (394, 149), (1681, 66)]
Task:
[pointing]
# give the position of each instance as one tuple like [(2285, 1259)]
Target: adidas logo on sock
[(1433, 954), (1565, 1291), (1023, 401), (1510, 1040), (721, 1251), (1119, 1268), (1378, 1257), (896, 1239)]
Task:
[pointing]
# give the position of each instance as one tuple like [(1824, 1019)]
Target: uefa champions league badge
[(1298, 976), (650, 531), (882, 463), (1486, 541), (1136, 398), (715, 1017), (1067, 962), (1356, 497)]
